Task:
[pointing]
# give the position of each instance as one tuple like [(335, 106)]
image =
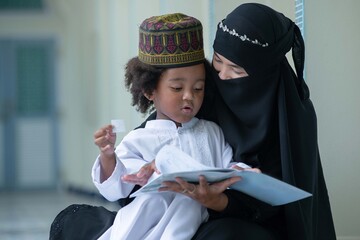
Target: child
[(169, 76)]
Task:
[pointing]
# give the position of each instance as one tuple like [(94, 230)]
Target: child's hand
[(143, 175), (105, 139)]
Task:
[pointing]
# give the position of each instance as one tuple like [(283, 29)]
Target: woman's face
[(227, 69), (179, 93)]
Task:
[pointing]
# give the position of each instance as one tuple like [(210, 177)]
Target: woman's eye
[(240, 72)]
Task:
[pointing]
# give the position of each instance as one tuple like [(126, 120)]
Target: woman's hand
[(257, 170), (209, 195), (142, 176)]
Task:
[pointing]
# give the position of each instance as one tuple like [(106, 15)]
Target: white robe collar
[(168, 124)]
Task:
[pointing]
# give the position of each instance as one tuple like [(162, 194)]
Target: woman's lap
[(90, 222), (232, 229)]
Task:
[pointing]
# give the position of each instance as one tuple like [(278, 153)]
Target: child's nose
[(188, 95)]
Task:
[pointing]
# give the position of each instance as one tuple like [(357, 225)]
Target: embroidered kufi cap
[(171, 40)]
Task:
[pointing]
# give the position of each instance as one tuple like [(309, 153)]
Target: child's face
[(179, 93)]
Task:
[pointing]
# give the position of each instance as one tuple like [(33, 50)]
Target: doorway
[(28, 123)]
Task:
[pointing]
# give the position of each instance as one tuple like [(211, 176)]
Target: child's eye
[(199, 89), (176, 88)]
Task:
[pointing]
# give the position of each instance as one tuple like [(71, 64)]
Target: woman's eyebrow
[(231, 65)]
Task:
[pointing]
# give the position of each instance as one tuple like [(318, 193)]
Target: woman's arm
[(243, 206)]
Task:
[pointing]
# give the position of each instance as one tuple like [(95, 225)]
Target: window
[(32, 79), (21, 5), (299, 15)]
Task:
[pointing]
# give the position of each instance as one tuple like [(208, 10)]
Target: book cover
[(173, 163)]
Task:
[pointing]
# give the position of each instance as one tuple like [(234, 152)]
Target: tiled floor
[(28, 215)]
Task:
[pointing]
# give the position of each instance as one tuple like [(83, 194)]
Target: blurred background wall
[(61, 75)]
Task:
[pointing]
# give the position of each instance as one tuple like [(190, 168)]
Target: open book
[(173, 163)]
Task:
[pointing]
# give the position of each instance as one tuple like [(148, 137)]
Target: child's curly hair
[(141, 79)]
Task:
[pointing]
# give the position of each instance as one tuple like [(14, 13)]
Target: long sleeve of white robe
[(201, 139)]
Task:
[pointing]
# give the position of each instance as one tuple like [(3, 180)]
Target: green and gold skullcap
[(171, 40)]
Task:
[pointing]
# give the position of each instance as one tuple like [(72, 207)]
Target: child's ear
[(150, 97)]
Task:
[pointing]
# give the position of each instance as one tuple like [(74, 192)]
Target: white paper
[(258, 185), (118, 125), (171, 159)]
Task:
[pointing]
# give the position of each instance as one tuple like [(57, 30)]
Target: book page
[(171, 159)]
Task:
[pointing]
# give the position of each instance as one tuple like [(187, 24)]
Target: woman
[(267, 117), (264, 109)]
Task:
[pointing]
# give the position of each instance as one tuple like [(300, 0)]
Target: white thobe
[(160, 215)]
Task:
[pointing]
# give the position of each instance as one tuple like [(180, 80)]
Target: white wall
[(332, 36), (116, 31)]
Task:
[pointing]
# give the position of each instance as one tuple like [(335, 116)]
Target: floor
[(28, 215)]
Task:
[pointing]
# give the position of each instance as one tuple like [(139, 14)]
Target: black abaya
[(248, 110)]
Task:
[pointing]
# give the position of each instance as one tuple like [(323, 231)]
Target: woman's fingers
[(208, 195), (227, 182), (186, 187), (203, 182), (171, 186), (257, 170)]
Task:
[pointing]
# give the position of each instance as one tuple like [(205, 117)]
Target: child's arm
[(105, 139), (126, 160)]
